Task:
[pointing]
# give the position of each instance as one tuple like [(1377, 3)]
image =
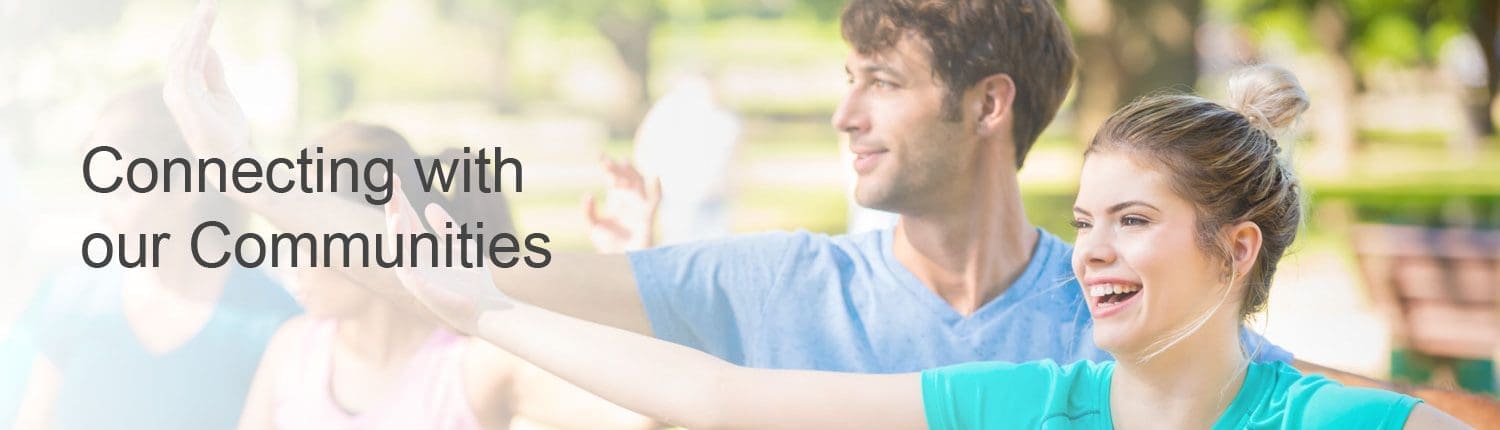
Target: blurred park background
[(1399, 153)]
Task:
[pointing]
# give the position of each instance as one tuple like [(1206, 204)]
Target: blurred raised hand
[(628, 219), (211, 120), (456, 295)]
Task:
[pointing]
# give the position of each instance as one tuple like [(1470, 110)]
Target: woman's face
[(1142, 271), (125, 210)]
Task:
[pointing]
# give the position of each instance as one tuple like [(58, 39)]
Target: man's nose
[(850, 116)]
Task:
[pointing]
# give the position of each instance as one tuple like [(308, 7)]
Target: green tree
[(1358, 34), (629, 25)]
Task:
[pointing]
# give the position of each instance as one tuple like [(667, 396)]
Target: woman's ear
[(1244, 247)]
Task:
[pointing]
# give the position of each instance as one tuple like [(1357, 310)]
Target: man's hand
[(456, 295), (628, 222)]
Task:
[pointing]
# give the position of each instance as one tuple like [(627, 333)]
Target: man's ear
[(1244, 247), (996, 94)]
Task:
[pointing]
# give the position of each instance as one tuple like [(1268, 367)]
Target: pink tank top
[(430, 394)]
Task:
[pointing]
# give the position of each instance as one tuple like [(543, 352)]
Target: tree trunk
[(630, 35), (495, 20), (1335, 118), (498, 35), (1483, 24), (1131, 49)]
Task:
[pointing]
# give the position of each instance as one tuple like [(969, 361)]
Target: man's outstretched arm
[(599, 288), (1469, 408)]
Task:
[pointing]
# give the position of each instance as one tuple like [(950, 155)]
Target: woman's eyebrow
[(1118, 207), (1122, 205)]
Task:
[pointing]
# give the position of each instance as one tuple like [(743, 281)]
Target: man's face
[(908, 156)]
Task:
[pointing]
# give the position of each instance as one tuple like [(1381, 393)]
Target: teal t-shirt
[(110, 381), (1044, 395)]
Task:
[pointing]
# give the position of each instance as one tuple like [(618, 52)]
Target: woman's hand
[(211, 121), (628, 221), (456, 295)]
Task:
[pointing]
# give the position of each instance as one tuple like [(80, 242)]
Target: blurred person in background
[(168, 347), (626, 219), (688, 141), (355, 360)]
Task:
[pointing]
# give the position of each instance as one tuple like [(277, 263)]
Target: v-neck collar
[(1041, 253), (408, 375), (197, 336)]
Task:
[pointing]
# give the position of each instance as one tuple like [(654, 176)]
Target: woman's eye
[(882, 84), (1133, 221), (1080, 224)]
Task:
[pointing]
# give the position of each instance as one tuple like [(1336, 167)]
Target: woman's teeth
[(1107, 289)]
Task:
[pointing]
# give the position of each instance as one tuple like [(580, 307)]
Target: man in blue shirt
[(963, 276), (945, 100)]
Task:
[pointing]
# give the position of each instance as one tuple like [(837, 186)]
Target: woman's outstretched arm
[(660, 379), (687, 387)]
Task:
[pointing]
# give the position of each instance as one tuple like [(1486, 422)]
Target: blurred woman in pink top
[(358, 361)]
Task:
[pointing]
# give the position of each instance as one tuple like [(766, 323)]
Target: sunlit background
[(1395, 274)]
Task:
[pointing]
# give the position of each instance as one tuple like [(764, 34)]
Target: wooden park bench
[(1439, 289)]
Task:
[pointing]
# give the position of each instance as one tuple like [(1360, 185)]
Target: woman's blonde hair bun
[(1268, 96)]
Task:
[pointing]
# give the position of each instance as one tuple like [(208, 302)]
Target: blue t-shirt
[(843, 303), (109, 380), (1041, 394)]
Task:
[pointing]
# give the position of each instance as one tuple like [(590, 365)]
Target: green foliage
[(1390, 37), (1401, 32)]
